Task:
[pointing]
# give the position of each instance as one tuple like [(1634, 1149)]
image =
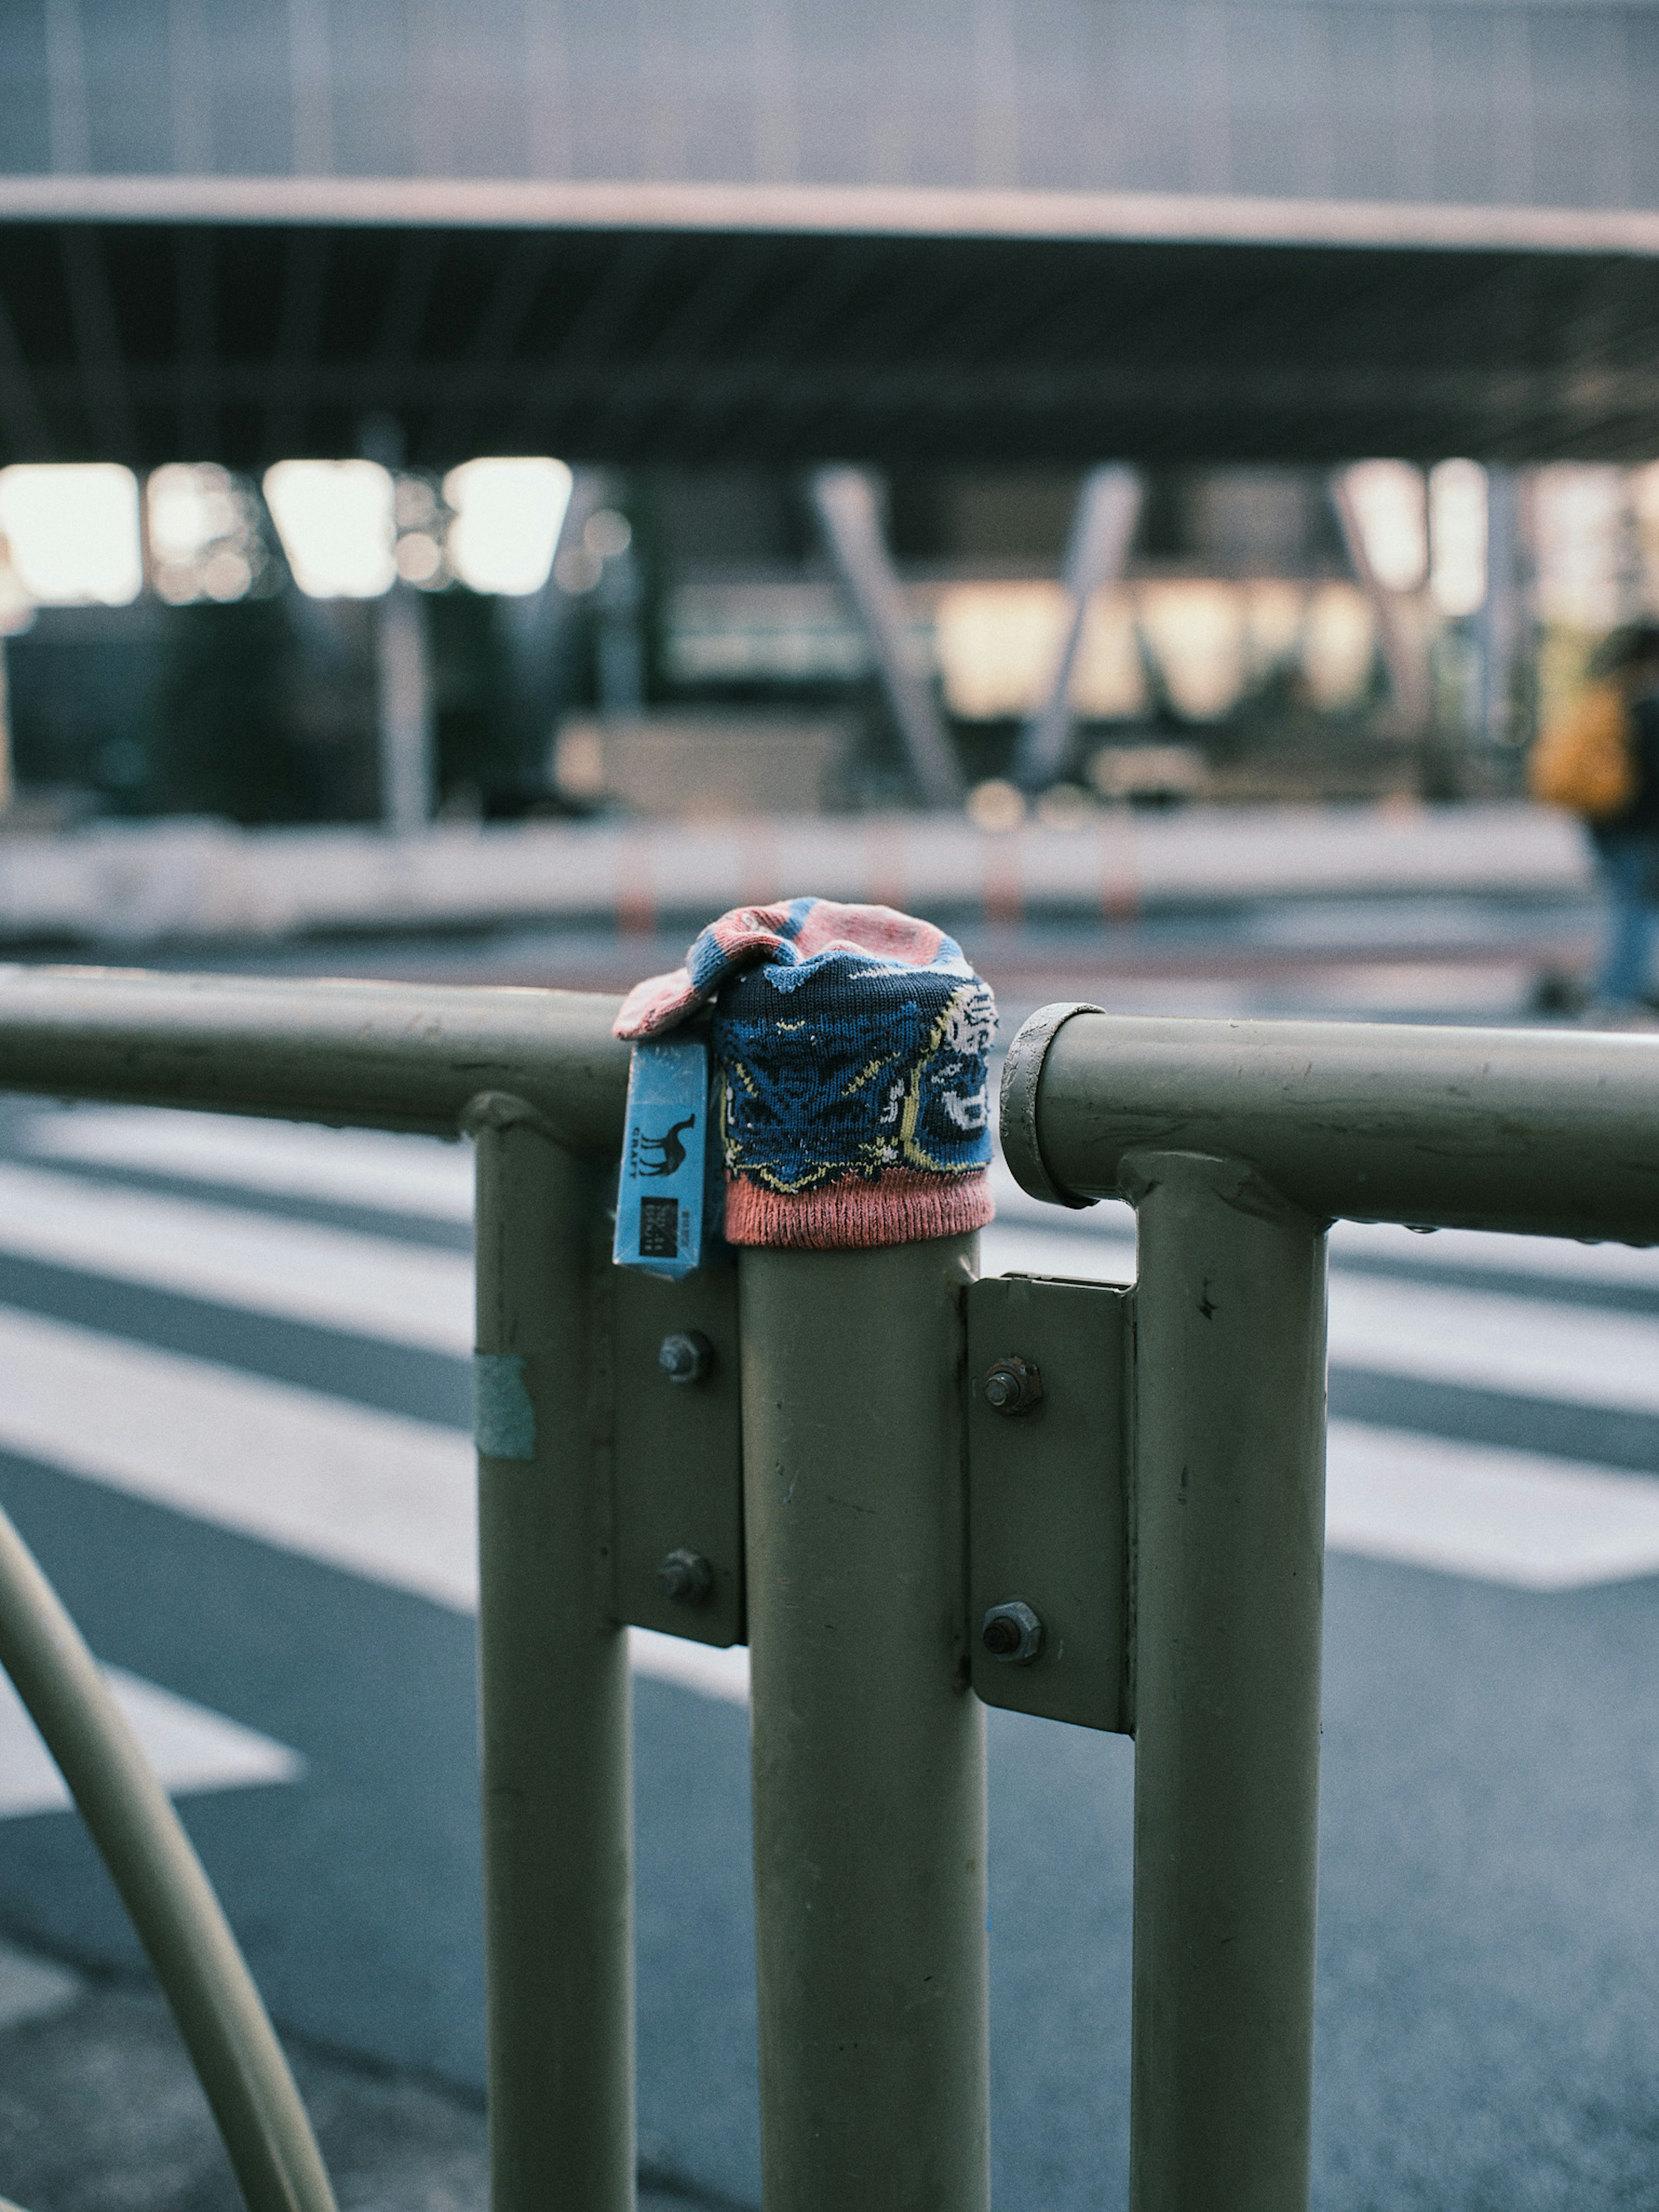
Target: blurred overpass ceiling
[(1017, 230)]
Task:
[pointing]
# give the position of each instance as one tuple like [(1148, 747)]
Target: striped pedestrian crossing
[(389, 1498), (239, 1256), (190, 1747), (282, 1548)]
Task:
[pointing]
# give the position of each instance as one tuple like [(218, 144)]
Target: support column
[(1399, 635), (844, 501), (869, 1758), (1499, 622), (403, 694), (554, 1684), (1229, 1404), (1103, 528)]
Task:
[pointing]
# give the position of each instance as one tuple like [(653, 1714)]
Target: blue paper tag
[(660, 1199)]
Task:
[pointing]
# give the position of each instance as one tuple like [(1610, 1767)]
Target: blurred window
[(508, 516), (1457, 537), (1274, 616), (1579, 536), (1339, 647), (775, 632), (1197, 630), (1109, 676), (336, 521), (72, 529), (998, 646), (1390, 509), (205, 542)]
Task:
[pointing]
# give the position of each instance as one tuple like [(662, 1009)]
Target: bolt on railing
[(1237, 1143)]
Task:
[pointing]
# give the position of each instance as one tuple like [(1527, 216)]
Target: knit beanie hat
[(852, 1043)]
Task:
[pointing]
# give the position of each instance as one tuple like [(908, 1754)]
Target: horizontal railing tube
[(364, 1055), (1547, 1132)]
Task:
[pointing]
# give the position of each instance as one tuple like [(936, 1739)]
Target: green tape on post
[(503, 1416)]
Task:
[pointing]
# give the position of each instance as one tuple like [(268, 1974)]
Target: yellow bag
[(1583, 761)]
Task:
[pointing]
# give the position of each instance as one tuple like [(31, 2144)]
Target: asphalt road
[(233, 1401)]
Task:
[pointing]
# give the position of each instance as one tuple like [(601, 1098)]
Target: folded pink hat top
[(792, 935), (853, 1047)]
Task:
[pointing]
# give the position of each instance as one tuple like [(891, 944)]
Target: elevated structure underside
[(974, 230), (882, 327)]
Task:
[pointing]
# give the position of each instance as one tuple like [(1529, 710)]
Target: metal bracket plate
[(1048, 1502), (678, 1453)]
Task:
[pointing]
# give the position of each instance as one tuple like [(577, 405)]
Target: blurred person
[(1600, 760)]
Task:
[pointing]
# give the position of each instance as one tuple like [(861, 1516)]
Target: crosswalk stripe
[(422, 1176), (190, 1747), (1492, 1515), (334, 1278), (1447, 1252), (1454, 1250), (1523, 1347), (392, 1499), (1010, 1247), (33, 1989), (426, 1178), (378, 1494)]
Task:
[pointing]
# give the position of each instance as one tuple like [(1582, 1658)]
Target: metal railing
[(903, 1486)]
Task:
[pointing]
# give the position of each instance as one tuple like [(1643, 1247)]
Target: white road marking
[(1448, 1251), (380, 1495), (354, 1167), (334, 1278), (1009, 1248), (1496, 1515), (1428, 1332), (699, 1667), (1524, 1347), (1617, 1266), (427, 1178), (190, 1747), (392, 1499), (33, 1989)]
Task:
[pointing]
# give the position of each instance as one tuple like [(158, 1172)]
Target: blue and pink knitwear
[(852, 1045)]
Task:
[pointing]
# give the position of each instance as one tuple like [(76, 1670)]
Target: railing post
[(868, 1747), (1229, 1412), (553, 1685)]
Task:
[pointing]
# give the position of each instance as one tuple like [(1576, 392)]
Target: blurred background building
[(488, 411)]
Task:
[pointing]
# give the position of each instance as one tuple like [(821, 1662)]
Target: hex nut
[(1012, 1633), (685, 1577), (687, 1356), (1012, 1386)]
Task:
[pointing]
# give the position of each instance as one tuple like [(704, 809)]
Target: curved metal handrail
[(166, 1890)]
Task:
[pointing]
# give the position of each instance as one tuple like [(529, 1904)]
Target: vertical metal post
[(403, 694), (1499, 625), (8, 776), (553, 1685), (1230, 1401), (536, 633), (868, 1747)]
